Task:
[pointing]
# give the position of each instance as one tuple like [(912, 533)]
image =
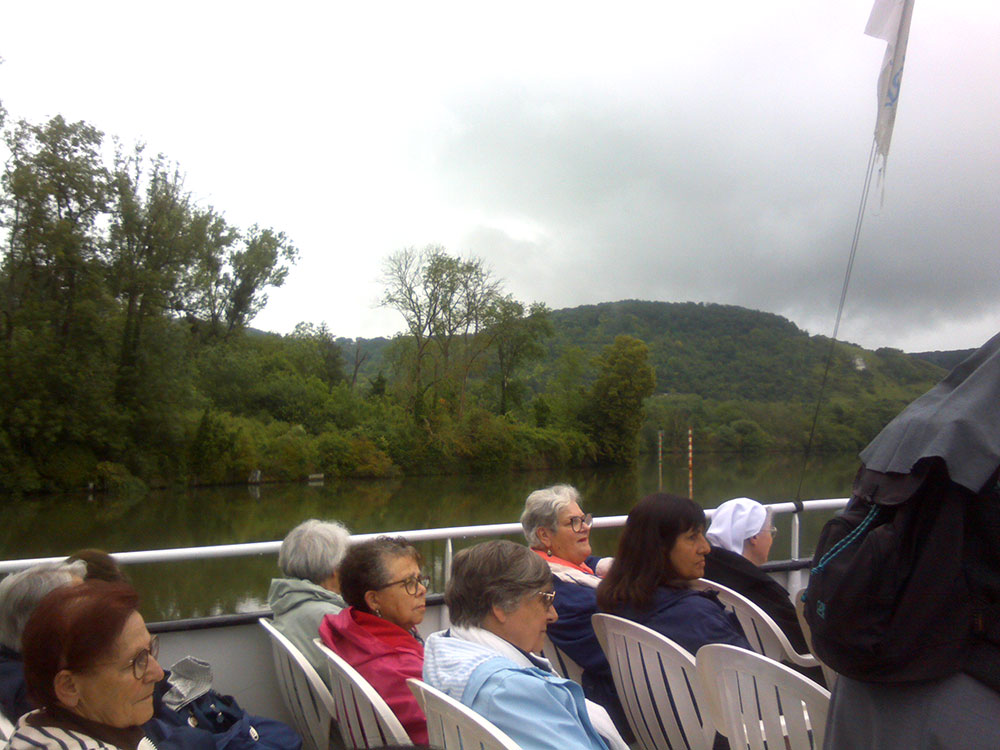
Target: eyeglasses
[(773, 530), (578, 522), (411, 584), (547, 597), (140, 662)]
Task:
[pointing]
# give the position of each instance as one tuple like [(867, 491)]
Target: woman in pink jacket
[(381, 581)]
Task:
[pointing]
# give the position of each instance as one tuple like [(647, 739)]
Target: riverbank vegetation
[(128, 359)]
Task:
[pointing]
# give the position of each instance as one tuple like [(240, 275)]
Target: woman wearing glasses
[(386, 592), (741, 534), (559, 532), (90, 664), (500, 600)]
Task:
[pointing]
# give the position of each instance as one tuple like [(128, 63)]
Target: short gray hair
[(313, 550), (20, 593), (542, 509), (498, 573)]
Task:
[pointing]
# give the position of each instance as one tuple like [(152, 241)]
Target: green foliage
[(614, 416)]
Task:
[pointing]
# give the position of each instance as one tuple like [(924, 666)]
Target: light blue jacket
[(537, 709)]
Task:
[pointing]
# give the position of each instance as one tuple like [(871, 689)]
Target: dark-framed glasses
[(140, 662), (578, 522), (411, 584), (547, 597)]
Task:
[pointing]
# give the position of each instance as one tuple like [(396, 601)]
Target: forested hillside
[(128, 360)]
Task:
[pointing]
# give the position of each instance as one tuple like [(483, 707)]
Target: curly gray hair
[(313, 550), (542, 509), (20, 593)]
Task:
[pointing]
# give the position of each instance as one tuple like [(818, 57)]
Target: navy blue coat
[(13, 692)]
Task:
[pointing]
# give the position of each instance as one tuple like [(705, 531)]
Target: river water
[(59, 525)]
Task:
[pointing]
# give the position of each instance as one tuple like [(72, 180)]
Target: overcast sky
[(589, 152)]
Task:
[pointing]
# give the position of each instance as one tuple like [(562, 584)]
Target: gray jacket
[(299, 606)]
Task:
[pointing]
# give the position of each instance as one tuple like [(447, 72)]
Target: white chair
[(800, 612), (305, 694), (364, 717), (561, 663), (453, 725), (761, 701), (658, 684), (760, 629), (6, 728)]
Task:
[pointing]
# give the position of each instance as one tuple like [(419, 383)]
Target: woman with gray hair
[(741, 534), (500, 600), (20, 593), (309, 557), (559, 532)]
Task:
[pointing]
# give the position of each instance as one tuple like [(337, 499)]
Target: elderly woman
[(558, 530), (662, 548), (20, 593), (309, 558), (90, 664), (382, 582), (740, 535), (500, 602)]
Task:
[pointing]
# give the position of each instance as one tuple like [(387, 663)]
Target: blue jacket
[(690, 618), (13, 691), (537, 709), (573, 633)]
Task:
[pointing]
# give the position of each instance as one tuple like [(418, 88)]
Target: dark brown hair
[(100, 565), (363, 568), (643, 559), (74, 628)]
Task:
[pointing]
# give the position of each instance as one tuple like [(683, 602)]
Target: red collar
[(582, 567)]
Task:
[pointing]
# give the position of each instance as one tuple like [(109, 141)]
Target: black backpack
[(889, 597)]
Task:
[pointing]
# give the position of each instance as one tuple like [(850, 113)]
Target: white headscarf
[(734, 522)]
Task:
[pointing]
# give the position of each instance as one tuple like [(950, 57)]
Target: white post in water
[(690, 463), (659, 459)]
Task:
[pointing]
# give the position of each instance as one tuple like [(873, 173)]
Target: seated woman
[(381, 581), (500, 602), (90, 663), (741, 534), (559, 532), (309, 558), (663, 547)]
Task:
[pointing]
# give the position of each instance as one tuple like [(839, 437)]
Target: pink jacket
[(385, 655)]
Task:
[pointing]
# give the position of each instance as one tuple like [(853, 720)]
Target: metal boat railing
[(447, 534)]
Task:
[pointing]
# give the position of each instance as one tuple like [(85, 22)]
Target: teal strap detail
[(847, 540)]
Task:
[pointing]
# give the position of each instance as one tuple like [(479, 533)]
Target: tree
[(518, 339), (262, 262), (447, 303), (614, 415)]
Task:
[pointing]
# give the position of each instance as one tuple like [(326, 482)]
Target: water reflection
[(58, 525)]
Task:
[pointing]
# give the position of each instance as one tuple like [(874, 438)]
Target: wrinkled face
[(570, 545), (525, 626), (109, 692), (758, 547), (688, 554), (393, 602)]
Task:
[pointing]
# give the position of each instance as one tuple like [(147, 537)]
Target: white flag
[(890, 20)]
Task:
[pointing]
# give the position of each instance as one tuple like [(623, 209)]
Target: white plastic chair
[(364, 717), (758, 626), (800, 612), (748, 690), (453, 725), (658, 684), (6, 728), (306, 696), (561, 663)]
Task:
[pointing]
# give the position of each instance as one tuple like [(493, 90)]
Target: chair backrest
[(658, 684), (760, 700), (305, 694), (6, 728), (561, 663), (800, 612), (364, 717), (758, 626), (453, 725)]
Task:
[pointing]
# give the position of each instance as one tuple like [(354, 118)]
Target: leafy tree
[(625, 378), (518, 339)]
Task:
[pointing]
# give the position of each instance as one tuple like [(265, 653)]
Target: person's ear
[(544, 536), (499, 614), (371, 599), (65, 687)]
